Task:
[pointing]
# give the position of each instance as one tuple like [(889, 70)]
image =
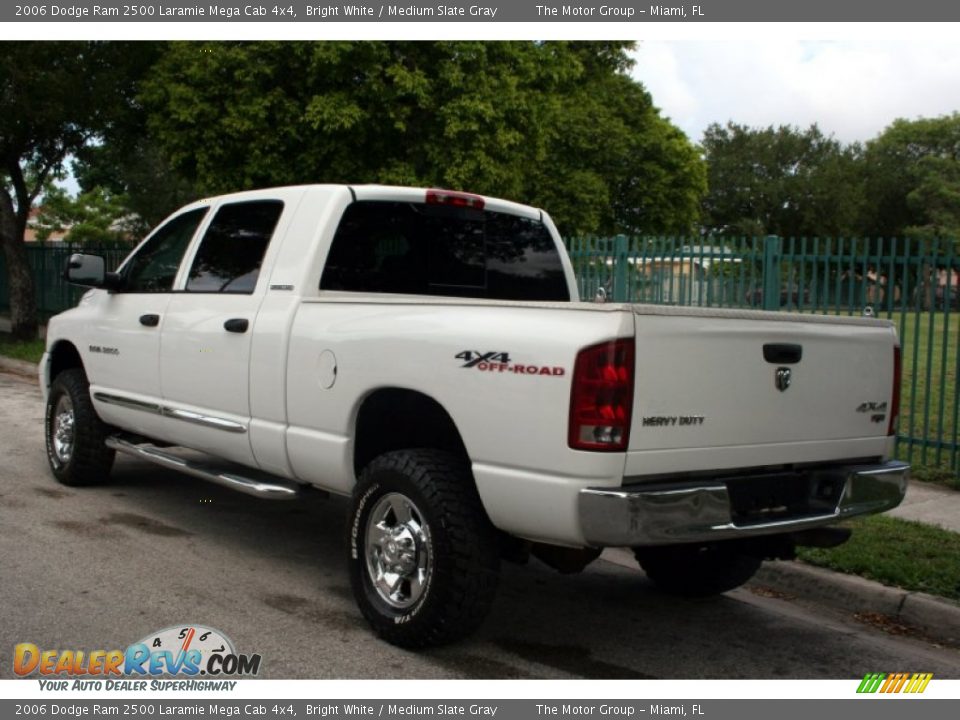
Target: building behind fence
[(917, 285)]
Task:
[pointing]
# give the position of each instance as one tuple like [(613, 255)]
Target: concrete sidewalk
[(930, 504)]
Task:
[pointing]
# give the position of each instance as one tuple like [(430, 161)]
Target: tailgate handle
[(782, 353)]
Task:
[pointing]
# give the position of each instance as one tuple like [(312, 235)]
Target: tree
[(129, 166), (613, 165), (935, 201), (555, 124), (781, 181), (128, 163), (55, 97), (93, 217), (913, 179)]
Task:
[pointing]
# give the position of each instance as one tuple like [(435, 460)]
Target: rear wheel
[(697, 570), (75, 435), (423, 555)]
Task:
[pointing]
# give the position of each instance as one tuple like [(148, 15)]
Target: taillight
[(895, 395), (601, 398), (456, 199)]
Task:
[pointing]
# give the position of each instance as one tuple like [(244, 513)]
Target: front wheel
[(697, 570), (423, 556), (74, 432)]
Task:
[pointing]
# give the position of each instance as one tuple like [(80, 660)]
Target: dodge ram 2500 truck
[(426, 353)]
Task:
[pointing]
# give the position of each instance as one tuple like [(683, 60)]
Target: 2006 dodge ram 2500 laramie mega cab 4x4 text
[(425, 352)]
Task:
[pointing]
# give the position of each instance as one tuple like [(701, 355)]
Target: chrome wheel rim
[(398, 552), (62, 432)]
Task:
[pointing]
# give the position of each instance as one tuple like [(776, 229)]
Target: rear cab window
[(419, 249)]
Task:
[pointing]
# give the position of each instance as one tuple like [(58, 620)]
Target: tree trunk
[(23, 307)]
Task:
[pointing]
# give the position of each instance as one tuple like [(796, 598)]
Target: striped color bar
[(894, 682), (871, 682)]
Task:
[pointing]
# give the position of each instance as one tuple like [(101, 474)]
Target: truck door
[(124, 338), (205, 345)]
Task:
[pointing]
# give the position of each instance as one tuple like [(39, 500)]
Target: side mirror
[(86, 270), (90, 271)]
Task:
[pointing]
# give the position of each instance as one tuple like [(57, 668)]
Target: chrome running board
[(268, 488)]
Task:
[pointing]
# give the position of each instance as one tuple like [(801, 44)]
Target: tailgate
[(730, 378)]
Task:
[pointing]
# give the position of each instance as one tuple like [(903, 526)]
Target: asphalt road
[(100, 568)]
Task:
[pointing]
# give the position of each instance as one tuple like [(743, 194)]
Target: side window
[(233, 247), (155, 265)]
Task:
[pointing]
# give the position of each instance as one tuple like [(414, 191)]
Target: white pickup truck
[(426, 352)]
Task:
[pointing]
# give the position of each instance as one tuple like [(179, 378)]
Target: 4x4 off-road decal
[(499, 362)]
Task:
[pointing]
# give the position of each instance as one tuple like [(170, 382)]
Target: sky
[(852, 89)]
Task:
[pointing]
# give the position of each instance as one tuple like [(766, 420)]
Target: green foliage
[(129, 165), (896, 552), (936, 474), (913, 179), (935, 201), (55, 98), (93, 217), (127, 162), (27, 350), (780, 181), (555, 124)]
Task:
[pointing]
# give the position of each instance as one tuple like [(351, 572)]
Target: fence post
[(772, 250), (620, 266), (42, 304)]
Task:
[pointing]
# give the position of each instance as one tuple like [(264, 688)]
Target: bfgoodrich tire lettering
[(423, 556), (74, 433)]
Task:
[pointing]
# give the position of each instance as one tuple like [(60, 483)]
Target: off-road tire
[(459, 545), (698, 570), (89, 459)]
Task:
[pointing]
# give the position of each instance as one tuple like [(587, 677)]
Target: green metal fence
[(53, 293), (915, 284)]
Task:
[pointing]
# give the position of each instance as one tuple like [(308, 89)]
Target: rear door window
[(231, 252), (419, 249)]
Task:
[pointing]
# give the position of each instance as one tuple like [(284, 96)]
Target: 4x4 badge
[(782, 378)]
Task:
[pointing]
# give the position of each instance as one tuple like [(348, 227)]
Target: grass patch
[(28, 350), (929, 408), (930, 412), (942, 476), (895, 552)]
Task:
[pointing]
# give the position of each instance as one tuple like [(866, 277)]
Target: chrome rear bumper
[(705, 510)]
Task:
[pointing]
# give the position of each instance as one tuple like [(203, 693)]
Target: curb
[(18, 367), (937, 618)]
